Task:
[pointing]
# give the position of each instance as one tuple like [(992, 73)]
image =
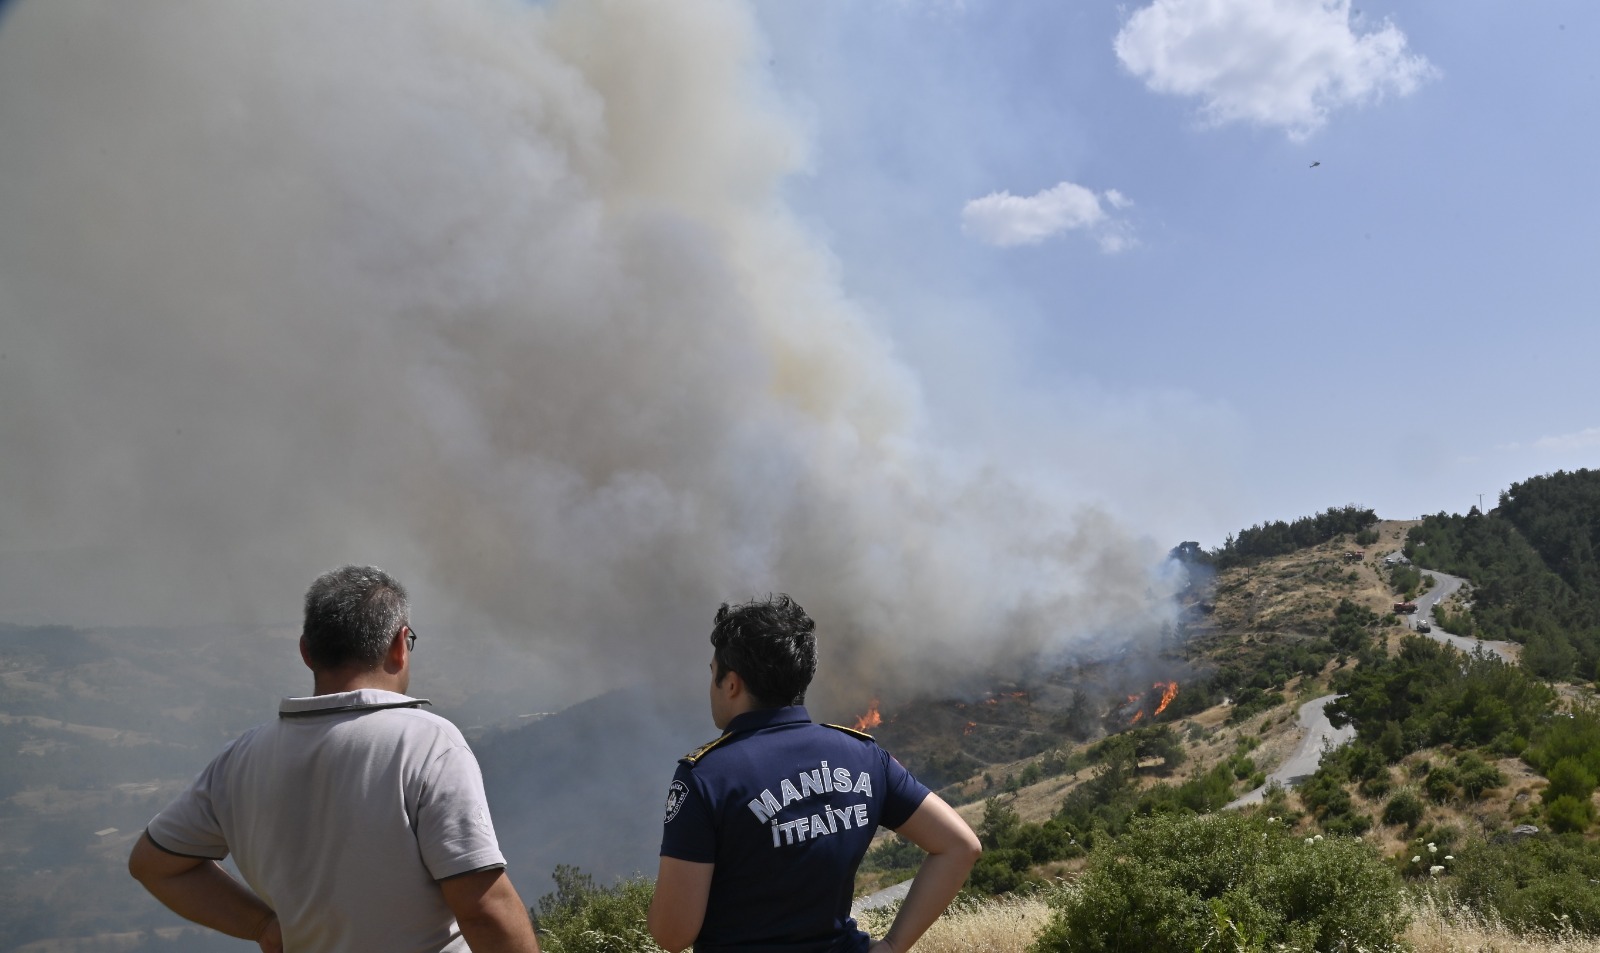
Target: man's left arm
[(200, 890), (489, 911)]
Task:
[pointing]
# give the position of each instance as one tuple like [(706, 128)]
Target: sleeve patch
[(676, 795)]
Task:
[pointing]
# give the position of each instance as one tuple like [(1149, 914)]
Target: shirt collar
[(362, 699), (768, 718)]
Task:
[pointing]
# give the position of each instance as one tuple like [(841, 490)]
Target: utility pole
[(1480, 502)]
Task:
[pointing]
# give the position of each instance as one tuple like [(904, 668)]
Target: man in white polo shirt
[(357, 819)]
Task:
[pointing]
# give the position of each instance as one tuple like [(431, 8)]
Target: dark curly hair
[(772, 644)]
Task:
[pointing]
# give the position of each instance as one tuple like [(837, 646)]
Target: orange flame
[(871, 719), (1134, 699), (1136, 716), (968, 730), (1169, 691)]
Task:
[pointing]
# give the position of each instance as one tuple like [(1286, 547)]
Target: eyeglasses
[(411, 639)]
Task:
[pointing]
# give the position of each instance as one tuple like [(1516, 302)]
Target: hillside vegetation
[(1462, 817), (1534, 563)]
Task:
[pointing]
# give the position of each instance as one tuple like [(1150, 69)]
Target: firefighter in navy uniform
[(766, 825)]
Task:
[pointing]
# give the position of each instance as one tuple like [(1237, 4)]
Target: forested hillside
[(1278, 538), (1533, 567)]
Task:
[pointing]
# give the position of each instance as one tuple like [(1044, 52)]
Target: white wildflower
[(1435, 870), (1416, 859), (1433, 848)]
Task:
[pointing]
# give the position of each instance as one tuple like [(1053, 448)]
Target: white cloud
[(1003, 219), (1581, 440), (1281, 63)]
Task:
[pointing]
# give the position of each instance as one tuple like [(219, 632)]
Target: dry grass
[(1010, 924), (1002, 925), (1438, 927)]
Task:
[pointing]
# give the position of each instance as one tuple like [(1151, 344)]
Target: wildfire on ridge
[(1136, 716), (1169, 691), (968, 730), (871, 719)]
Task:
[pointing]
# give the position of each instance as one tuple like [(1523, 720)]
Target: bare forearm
[(490, 913), (210, 897), (937, 882), (511, 932)]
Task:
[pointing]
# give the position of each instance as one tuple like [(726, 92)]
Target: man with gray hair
[(357, 819)]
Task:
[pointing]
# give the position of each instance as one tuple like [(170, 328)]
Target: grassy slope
[(1248, 610)]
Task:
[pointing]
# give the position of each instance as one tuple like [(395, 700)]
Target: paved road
[(1320, 736), (1445, 586), (882, 898)]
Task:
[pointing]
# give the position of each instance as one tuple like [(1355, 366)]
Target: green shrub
[(1571, 735), (895, 853), (1378, 785), (580, 917), (1405, 579), (1532, 882), (1404, 808), (1224, 882), (1568, 815), (1012, 845), (999, 871), (999, 825), (1476, 776), (1441, 784), (1569, 778)]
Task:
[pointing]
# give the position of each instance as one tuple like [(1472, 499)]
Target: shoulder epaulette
[(694, 756), (854, 733)]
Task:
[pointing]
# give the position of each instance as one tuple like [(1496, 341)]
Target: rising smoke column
[(502, 297)]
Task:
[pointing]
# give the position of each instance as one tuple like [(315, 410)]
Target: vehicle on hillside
[(1405, 608), (1424, 626)]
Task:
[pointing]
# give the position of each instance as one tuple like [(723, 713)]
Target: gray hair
[(352, 616)]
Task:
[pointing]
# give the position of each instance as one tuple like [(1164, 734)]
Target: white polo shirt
[(342, 815)]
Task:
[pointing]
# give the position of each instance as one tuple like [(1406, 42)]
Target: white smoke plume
[(502, 297)]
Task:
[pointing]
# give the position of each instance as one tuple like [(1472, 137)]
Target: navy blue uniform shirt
[(785, 809)]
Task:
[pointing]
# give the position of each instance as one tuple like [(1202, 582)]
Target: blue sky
[(948, 317), (1407, 325)]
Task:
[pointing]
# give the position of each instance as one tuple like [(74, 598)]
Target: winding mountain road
[(1445, 586), (1321, 736)]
